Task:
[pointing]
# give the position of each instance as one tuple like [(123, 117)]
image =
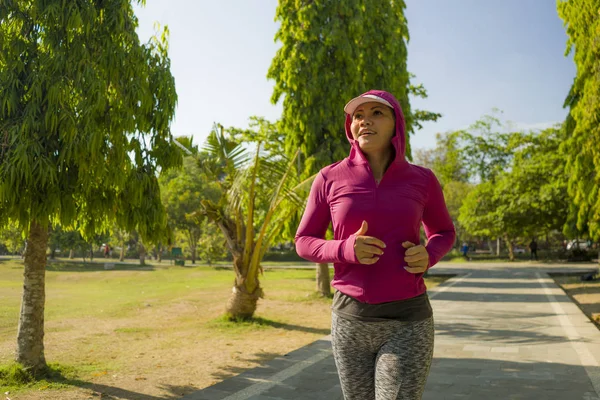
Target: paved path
[(503, 331)]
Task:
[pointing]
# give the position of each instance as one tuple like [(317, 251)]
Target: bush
[(283, 255), (578, 255)]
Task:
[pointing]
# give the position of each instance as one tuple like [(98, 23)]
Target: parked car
[(578, 244), (519, 250)]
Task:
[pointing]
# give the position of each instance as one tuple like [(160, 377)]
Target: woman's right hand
[(367, 248)]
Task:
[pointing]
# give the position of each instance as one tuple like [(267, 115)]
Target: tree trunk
[(498, 246), (71, 254), (509, 246), (122, 255), (142, 254), (193, 254), (159, 254), (30, 336), (490, 246), (241, 304), (91, 252), (52, 254), (323, 286)]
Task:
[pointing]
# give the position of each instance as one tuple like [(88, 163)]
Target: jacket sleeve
[(437, 223), (310, 236)]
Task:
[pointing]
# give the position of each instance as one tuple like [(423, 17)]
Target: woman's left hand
[(416, 257)]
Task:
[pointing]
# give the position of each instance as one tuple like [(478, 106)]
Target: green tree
[(122, 237), (57, 239), (75, 243), (486, 148), (211, 246), (255, 186), (447, 162), (331, 51), (529, 199), (85, 111), (455, 193), (181, 192), (12, 237), (582, 21)]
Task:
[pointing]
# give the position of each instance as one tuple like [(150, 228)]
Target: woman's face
[(373, 126)]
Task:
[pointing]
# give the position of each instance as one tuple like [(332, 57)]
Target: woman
[(382, 323)]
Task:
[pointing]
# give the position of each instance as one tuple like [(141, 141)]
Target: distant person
[(106, 251), (465, 250), (382, 323), (533, 249)]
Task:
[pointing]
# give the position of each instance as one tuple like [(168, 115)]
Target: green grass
[(101, 320), (15, 378)]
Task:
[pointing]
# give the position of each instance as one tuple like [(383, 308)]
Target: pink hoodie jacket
[(345, 194)]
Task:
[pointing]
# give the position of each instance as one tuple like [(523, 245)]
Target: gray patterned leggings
[(386, 360)]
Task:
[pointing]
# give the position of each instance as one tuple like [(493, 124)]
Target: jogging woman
[(382, 323)]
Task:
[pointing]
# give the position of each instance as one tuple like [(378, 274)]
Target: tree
[(57, 239), (582, 21), (12, 237), (528, 199), (331, 52), (122, 237), (487, 148), (181, 192), (447, 161), (85, 111), (251, 211), (212, 245)]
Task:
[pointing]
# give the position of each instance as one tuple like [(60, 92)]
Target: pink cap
[(365, 98)]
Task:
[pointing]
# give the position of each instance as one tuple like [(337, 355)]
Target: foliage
[(582, 21), (181, 193), (12, 237), (331, 52), (487, 148), (84, 116), (59, 238), (211, 246), (529, 199)]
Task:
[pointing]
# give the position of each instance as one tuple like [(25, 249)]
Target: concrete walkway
[(503, 331)]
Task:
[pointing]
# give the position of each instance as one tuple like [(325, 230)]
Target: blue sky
[(471, 55)]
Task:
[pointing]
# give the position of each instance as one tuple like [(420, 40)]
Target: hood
[(399, 139)]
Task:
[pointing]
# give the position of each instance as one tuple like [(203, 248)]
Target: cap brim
[(353, 104)]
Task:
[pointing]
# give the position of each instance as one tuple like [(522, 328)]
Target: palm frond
[(250, 211)]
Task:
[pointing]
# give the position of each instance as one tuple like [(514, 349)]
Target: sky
[(471, 55)]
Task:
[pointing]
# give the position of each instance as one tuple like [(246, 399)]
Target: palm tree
[(260, 190)]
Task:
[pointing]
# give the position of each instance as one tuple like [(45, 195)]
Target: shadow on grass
[(225, 322), (59, 266), (220, 268), (290, 327), (59, 377)]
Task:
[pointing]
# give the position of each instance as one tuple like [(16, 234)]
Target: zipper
[(376, 185)]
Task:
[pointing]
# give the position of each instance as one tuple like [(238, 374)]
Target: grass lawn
[(157, 332)]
